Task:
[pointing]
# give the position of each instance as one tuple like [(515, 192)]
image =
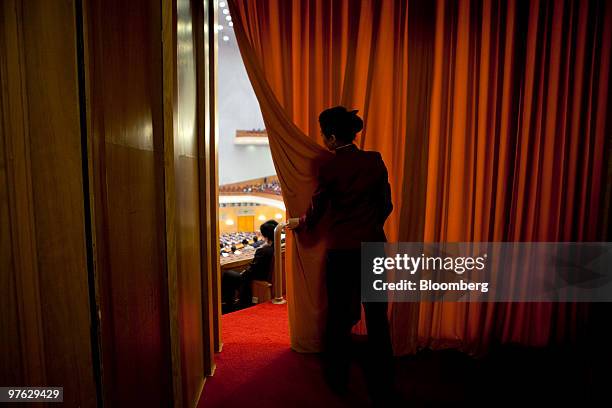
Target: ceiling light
[(222, 4), (225, 38), (220, 27), (225, 11), (231, 24), (228, 18)]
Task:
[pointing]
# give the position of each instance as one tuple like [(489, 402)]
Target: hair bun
[(356, 121), (341, 123)]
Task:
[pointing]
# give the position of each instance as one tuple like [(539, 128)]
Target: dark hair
[(340, 122), (267, 229)]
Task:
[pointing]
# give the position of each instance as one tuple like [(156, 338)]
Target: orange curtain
[(516, 149), (490, 116)]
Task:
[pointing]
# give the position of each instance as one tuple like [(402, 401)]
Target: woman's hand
[(293, 223)]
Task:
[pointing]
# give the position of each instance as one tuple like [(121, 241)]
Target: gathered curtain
[(492, 119)]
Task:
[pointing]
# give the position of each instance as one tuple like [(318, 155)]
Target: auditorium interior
[(152, 152)]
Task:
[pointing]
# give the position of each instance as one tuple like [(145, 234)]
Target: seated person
[(260, 268), (257, 242)]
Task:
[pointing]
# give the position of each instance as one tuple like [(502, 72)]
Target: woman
[(354, 187)]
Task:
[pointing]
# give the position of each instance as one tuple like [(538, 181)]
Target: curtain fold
[(303, 57), (490, 116)]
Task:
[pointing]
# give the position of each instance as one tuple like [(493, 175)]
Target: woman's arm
[(318, 205)]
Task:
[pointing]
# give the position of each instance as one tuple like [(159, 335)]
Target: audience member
[(260, 268)]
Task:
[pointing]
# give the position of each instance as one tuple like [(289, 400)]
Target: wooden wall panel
[(11, 367), (203, 37), (127, 133), (141, 165), (213, 171), (57, 186), (47, 311), (187, 190)]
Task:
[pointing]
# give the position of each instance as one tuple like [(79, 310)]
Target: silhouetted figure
[(260, 268), (354, 186)]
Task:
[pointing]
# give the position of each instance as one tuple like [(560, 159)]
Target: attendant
[(353, 186)]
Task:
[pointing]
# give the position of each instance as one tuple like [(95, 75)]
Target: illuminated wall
[(229, 217)]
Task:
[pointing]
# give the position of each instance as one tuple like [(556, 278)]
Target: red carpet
[(257, 368)]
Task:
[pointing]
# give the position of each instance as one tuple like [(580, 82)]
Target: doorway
[(249, 191)]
